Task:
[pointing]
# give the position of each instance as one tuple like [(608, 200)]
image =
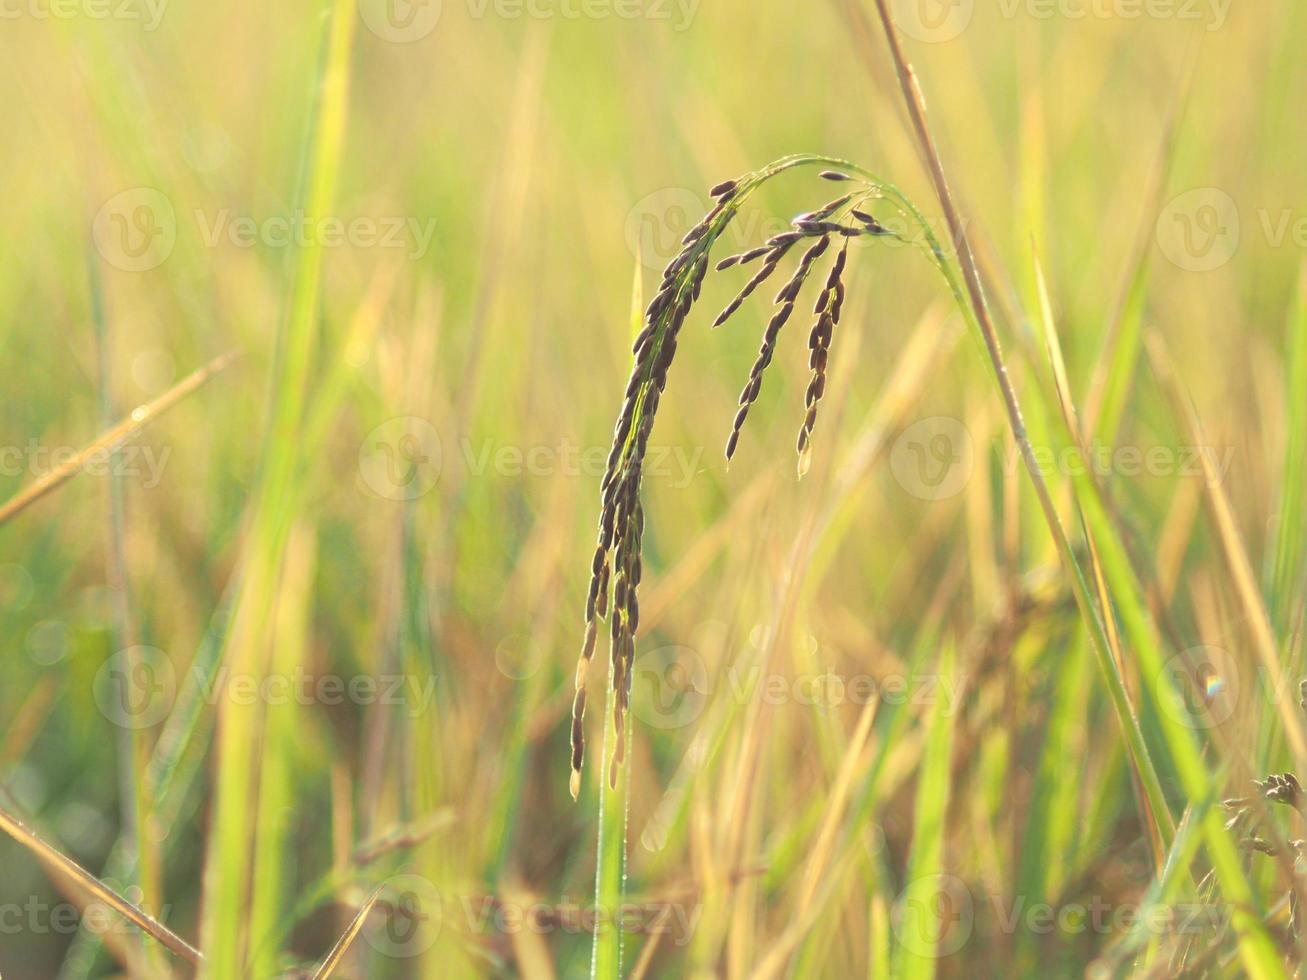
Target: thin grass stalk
[(337, 955), (96, 888), (113, 437)]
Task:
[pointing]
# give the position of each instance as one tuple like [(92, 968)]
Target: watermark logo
[(401, 458), (135, 687), (1200, 687), (135, 230), (400, 21), (670, 687), (513, 657), (407, 917), (933, 916), (933, 21), (1199, 230), (658, 221), (933, 458)]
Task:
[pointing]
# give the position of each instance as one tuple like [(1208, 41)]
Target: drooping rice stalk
[(616, 567)]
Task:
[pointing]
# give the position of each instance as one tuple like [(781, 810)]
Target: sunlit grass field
[(317, 319)]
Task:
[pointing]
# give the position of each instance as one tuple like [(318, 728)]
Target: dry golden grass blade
[(530, 946), (929, 346), (342, 826), (837, 801), (96, 888), (738, 823), (1176, 534), (1232, 546), (120, 944), (695, 563), (333, 959), (818, 883), (641, 968), (790, 592), (114, 437), (774, 963)]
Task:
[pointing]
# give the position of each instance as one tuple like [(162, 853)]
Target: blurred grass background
[(546, 155)]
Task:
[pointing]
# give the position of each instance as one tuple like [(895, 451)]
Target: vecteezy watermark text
[(131, 461), (936, 915), (137, 687), (411, 913), (304, 688), (406, 21), (937, 21), (148, 12), (136, 230), (37, 917), (280, 231), (404, 458), (934, 458)]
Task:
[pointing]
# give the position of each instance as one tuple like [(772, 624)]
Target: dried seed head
[(621, 518), (753, 386), (825, 211), (819, 341), (731, 442), (873, 226), (616, 568), (1281, 788), (725, 314), (824, 228), (761, 276)]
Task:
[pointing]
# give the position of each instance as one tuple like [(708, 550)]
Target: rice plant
[(997, 673), (616, 566)]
